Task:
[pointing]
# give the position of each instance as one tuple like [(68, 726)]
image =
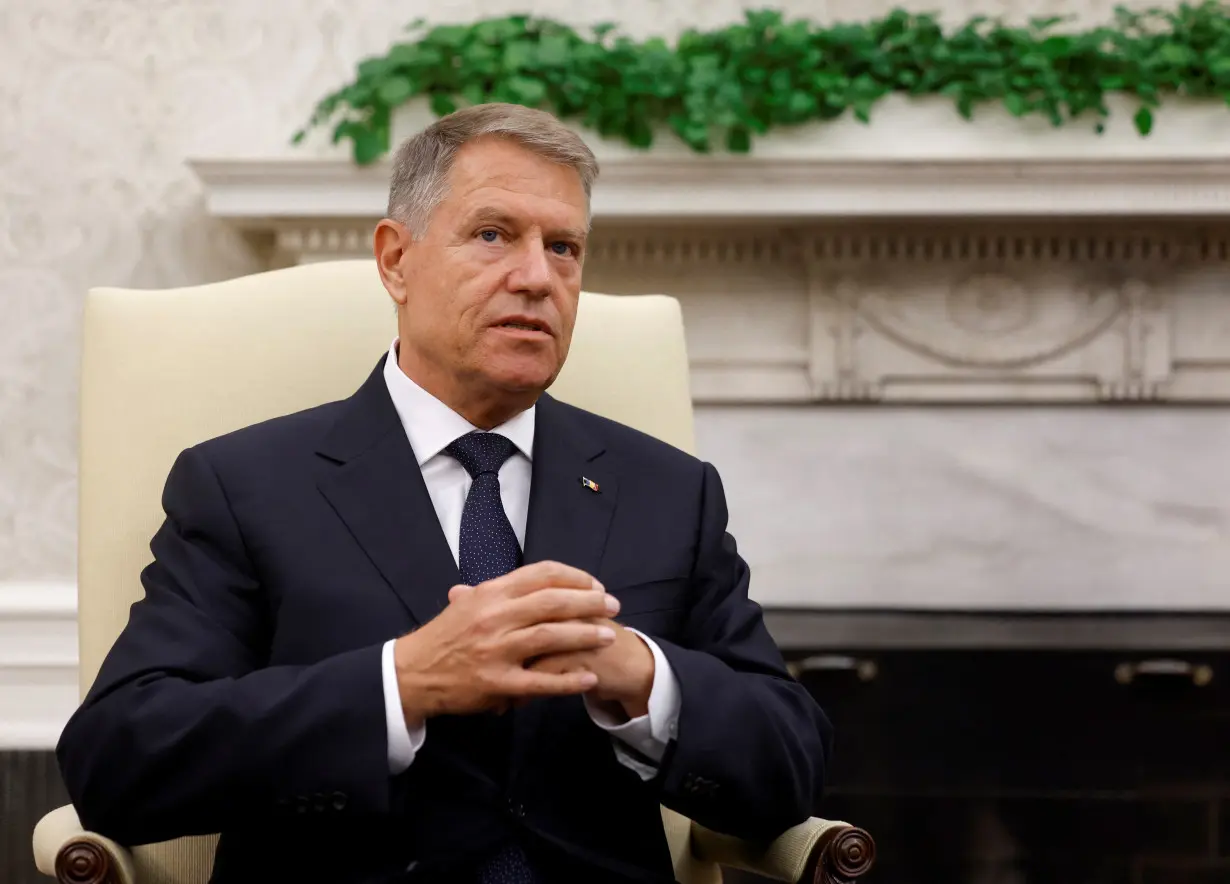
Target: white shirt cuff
[(649, 734), (404, 743)]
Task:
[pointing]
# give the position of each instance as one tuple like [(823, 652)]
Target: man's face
[(489, 293)]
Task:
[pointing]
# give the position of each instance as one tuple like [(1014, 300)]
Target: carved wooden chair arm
[(71, 855), (814, 852)]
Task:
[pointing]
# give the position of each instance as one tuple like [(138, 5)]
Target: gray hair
[(422, 163)]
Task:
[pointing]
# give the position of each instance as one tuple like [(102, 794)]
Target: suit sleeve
[(186, 730), (752, 745)]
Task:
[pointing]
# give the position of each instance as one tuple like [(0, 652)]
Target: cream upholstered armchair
[(163, 370)]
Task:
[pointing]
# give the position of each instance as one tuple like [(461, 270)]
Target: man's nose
[(532, 275)]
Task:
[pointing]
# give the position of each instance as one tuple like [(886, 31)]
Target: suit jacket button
[(339, 800), (516, 808)]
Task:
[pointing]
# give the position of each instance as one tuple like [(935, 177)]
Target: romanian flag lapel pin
[(591, 485)]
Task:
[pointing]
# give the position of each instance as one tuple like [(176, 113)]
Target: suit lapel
[(374, 483), (567, 521)]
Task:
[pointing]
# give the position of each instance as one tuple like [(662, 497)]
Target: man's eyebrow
[(576, 234), (491, 215)]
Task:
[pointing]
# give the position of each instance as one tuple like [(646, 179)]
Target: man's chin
[(523, 382)]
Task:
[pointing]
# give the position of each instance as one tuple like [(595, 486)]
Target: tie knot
[(481, 452)]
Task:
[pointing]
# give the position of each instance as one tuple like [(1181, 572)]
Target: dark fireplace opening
[(1030, 767)]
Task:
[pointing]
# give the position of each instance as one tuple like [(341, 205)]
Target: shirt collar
[(431, 425)]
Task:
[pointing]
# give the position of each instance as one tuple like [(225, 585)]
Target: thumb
[(458, 592)]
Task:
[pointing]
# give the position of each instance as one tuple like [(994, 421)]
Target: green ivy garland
[(732, 83)]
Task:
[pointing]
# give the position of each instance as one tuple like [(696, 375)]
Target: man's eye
[(489, 235), (561, 248)]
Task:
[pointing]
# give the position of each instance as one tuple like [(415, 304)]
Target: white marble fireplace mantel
[(911, 347)]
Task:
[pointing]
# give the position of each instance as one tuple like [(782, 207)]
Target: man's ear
[(390, 242)]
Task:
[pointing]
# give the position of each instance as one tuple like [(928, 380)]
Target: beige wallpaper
[(101, 101)]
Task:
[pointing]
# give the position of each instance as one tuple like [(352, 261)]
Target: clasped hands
[(541, 630)]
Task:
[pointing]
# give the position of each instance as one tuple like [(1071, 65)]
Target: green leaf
[(802, 103), (499, 30), (374, 68), (395, 90), (739, 140), (449, 36), (404, 54), (442, 105), (1175, 54), (368, 146), (524, 90), (553, 51), (965, 105), (1144, 121), (474, 93)]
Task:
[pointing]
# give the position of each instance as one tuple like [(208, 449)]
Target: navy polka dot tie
[(488, 545), (486, 549)]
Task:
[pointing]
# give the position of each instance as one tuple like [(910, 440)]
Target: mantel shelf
[(258, 193)]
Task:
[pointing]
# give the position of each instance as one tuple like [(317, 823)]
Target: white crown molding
[(38, 662)]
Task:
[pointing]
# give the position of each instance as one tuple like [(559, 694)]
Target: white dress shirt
[(430, 426)]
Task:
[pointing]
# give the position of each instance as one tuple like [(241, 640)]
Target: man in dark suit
[(449, 629)]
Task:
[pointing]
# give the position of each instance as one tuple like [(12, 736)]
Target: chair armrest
[(814, 852), (71, 855)]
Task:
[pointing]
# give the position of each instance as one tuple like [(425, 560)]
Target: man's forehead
[(496, 203), (516, 170)]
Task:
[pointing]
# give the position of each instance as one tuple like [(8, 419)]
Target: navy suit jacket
[(244, 695)]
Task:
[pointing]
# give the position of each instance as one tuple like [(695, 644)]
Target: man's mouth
[(524, 326)]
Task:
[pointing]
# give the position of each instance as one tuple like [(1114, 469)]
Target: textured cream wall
[(101, 101)]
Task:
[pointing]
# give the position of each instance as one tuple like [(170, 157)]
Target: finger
[(558, 638), (550, 605), (541, 575), (557, 663), (459, 592), (526, 683)]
